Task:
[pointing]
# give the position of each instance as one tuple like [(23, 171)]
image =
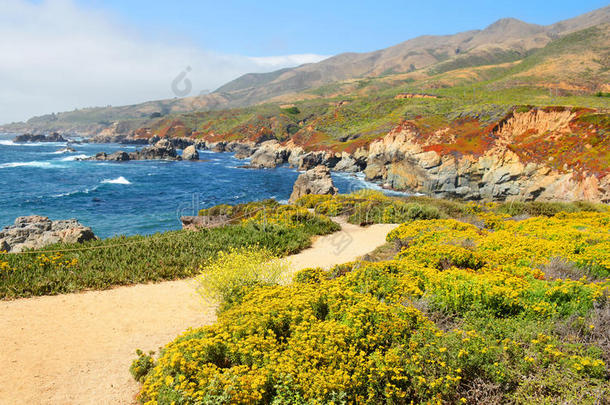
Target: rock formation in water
[(190, 153), (162, 150), (27, 138)]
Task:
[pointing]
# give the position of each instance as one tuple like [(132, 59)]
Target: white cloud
[(55, 56)]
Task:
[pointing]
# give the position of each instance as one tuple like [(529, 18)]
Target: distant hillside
[(572, 55), (505, 40)]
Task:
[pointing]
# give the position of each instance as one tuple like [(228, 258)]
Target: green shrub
[(547, 209), (291, 110), (142, 365), (463, 314)]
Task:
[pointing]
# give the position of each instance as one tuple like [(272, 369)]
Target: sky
[(58, 55)]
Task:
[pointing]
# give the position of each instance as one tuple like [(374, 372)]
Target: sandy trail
[(77, 348)]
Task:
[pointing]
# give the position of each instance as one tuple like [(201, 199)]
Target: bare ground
[(77, 348)]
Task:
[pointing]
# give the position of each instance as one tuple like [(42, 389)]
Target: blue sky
[(67, 54), (264, 28)]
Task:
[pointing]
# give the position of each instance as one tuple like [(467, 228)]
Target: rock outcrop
[(26, 138), (35, 232), (119, 156), (498, 174), (162, 150), (269, 155), (190, 153), (314, 181)]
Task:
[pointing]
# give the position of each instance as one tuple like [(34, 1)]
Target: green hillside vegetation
[(98, 265), (349, 114)]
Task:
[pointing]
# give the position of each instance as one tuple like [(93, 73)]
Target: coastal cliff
[(546, 154)]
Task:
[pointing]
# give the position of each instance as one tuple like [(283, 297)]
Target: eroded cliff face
[(496, 175), (502, 171)]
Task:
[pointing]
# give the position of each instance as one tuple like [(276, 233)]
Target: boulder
[(314, 181), (119, 156), (217, 146), (348, 163), (190, 153), (35, 232), (241, 150)]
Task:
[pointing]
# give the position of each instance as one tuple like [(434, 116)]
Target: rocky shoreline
[(403, 160), (399, 162)]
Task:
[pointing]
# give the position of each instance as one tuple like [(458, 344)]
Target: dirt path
[(76, 348)]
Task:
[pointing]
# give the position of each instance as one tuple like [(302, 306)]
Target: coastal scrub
[(465, 313)]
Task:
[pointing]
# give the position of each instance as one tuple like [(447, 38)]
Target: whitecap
[(42, 165), (11, 143), (73, 158), (69, 193), (118, 180), (60, 152)]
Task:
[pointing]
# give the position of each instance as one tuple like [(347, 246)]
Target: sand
[(77, 348)]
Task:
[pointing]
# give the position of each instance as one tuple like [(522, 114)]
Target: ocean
[(136, 197)]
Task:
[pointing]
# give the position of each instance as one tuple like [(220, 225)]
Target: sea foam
[(118, 180)]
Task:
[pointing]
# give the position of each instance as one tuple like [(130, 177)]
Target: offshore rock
[(119, 156), (25, 138), (162, 150), (190, 153)]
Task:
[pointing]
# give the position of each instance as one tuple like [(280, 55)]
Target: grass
[(142, 259)]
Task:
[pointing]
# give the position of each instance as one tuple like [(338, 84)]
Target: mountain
[(428, 60), (505, 40)]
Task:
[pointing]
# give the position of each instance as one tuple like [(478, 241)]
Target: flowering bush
[(228, 278), (459, 308)]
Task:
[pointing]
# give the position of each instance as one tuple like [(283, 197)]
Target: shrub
[(234, 273), (314, 275), (291, 110), (461, 314), (142, 365), (547, 209)]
